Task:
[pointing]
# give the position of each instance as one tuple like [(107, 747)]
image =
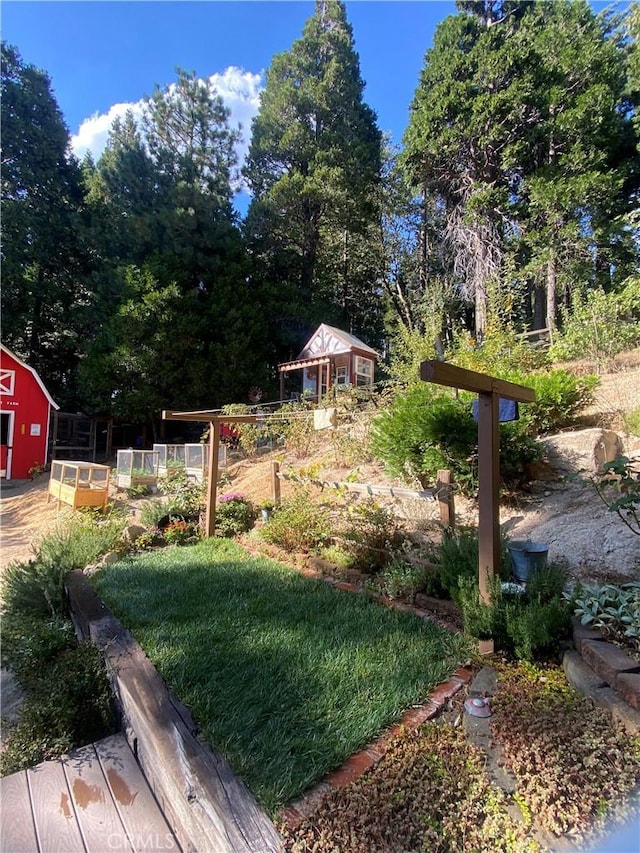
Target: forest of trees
[(131, 284)]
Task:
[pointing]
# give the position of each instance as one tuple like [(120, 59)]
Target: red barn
[(25, 408)]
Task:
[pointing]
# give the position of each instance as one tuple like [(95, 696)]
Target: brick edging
[(293, 814)]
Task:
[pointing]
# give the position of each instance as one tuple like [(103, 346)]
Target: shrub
[(401, 579), (619, 488), (68, 706), (631, 421), (180, 532), (154, 511), (298, 524), (528, 624), (599, 325), (457, 557), (560, 399), (296, 428), (235, 514), (424, 431), (34, 587), (79, 537), (370, 531), (184, 497), (31, 643), (500, 354)]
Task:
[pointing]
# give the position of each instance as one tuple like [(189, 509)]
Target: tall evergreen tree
[(44, 296), (183, 331), (313, 167), (518, 132)]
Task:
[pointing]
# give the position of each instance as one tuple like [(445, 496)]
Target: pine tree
[(45, 300), (313, 167)]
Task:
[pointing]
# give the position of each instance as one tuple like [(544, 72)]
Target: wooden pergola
[(214, 419), (489, 391)]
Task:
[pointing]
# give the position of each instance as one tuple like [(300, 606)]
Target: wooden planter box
[(79, 484)]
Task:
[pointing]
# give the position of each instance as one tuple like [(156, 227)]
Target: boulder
[(131, 533), (585, 451)]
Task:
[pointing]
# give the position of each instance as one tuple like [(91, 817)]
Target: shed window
[(364, 370), (342, 376)]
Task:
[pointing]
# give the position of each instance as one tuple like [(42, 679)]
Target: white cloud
[(93, 132), (239, 89)]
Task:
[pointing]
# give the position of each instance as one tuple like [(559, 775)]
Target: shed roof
[(327, 340), (33, 372)]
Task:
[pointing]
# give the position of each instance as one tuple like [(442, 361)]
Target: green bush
[(370, 531), (151, 512), (35, 588), (183, 497), (423, 431), (68, 706), (631, 421), (235, 514), (79, 537), (528, 624), (618, 486), (500, 354), (599, 325), (457, 557), (612, 609), (298, 524), (560, 399), (30, 643), (402, 579)]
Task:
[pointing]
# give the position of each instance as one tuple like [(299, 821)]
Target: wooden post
[(212, 484), (489, 493), (275, 483), (444, 488), (489, 391)]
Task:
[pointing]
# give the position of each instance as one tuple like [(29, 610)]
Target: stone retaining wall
[(605, 673)]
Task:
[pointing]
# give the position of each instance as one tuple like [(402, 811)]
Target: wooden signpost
[(489, 391), (214, 420)]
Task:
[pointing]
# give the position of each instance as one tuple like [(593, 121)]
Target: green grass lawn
[(286, 675)]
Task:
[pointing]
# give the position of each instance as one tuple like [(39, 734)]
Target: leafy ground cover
[(286, 675), (575, 774)]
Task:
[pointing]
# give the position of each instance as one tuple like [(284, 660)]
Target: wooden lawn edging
[(206, 805), (443, 491)]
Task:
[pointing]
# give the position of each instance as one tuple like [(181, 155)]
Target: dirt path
[(24, 516)]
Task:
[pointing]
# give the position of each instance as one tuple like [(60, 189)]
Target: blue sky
[(101, 54)]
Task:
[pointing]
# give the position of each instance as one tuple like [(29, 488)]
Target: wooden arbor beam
[(214, 419), (489, 391)]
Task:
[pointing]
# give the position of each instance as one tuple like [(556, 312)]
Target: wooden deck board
[(92, 801), (55, 820), (17, 828), (146, 827), (96, 812)]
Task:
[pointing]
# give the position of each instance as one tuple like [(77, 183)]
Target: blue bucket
[(527, 557)]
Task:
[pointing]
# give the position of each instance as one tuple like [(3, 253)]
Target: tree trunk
[(552, 275), (539, 306)]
